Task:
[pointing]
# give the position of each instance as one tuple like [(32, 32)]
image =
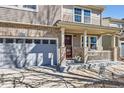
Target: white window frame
[(20, 7), (82, 16), (77, 14), (89, 41), (93, 43), (90, 15)]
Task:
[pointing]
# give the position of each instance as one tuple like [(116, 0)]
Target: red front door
[(68, 44)]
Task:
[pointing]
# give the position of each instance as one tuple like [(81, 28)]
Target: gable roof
[(114, 19)]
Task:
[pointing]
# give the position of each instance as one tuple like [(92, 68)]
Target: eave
[(114, 20), (95, 7), (21, 25), (90, 28)]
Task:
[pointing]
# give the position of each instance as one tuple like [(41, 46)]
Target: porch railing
[(93, 54), (100, 55)]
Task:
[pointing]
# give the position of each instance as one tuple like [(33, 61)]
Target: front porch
[(88, 42), (88, 50)]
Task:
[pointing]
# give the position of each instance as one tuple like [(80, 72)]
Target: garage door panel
[(28, 54), (40, 59), (20, 60), (7, 60), (31, 59), (29, 47), (19, 49), (45, 50)]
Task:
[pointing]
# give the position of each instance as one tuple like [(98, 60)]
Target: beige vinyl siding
[(76, 40), (31, 33), (45, 15), (105, 22), (95, 17), (68, 13)]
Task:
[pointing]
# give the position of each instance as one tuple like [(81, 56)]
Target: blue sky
[(115, 11)]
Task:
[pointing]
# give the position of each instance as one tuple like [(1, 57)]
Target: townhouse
[(33, 35), (119, 23)]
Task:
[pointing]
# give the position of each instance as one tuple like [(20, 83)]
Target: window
[(77, 15), (30, 6), (82, 15), (87, 16), (14, 5), (9, 40), (91, 42), (33, 8), (19, 41), (29, 41), (52, 41), (1, 40), (37, 41), (122, 25), (119, 25), (45, 41)]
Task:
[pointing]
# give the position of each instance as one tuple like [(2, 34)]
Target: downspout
[(100, 18)]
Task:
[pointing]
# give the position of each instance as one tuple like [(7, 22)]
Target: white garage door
[(122, 50), (27, 52)]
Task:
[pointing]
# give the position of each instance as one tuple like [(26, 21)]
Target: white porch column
[(99, 43), (62, 58), (114, 48), (85, 39), (62, 37), (85, 47), (113, 41)]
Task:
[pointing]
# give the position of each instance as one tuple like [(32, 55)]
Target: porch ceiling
[(72, 27)]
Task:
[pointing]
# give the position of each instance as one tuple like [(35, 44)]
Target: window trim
[(37, 42), (19, 42), (74, 15), (20, 7), (82, 16), (9, 42), (48, 41), (93, 43), (89, 41), (118, 25), (52, 42), (2, 40), (90, 16), (28, 42), (77, 15)]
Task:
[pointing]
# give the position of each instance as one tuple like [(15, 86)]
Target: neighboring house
[(33, 35), (119, 23)]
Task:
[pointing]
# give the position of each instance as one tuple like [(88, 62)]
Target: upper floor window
[(87, 16), (30, 6), (33, 8), (77, 15), (119, 25), (81, 15), (123, 25)]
